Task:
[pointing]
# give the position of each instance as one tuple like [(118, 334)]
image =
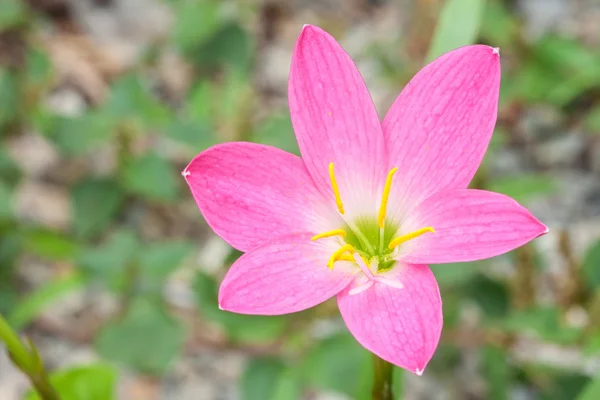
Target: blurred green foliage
[(105, 246), (93, 382)]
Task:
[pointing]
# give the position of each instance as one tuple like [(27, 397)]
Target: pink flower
[(370, 204)]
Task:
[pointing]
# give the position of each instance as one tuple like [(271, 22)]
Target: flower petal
[(402, 326), (282, 277), (439, 127), (335, 120), (251, 194), (469, 225)]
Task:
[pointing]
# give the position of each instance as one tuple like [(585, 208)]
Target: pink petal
[(335, 120), (284, 276), (402, 326), (251, 194), (469, 225), (438, 129)]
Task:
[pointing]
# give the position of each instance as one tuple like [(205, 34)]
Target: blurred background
[(108, 266)]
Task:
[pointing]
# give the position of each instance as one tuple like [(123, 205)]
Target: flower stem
[(382, 379), (28, 361), (16, 349)]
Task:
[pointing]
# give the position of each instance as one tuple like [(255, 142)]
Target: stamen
[(371, 278), (384, 198), (336, 190), (335, 232), (409, 236), (336, 255)]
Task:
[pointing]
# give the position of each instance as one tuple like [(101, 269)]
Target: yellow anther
[(409, 236), (338, 253), (336, 190), (335, 232), (384, 198)]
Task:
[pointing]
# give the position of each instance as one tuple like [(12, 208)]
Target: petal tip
[(542, 228), (308, 28), (545, 229), (419, 371), (496, 51), (185, 173)]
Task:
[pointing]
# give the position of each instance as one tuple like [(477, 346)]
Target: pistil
[(371, 278)]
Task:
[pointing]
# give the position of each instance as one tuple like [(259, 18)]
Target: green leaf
[(200, 102), (457, 26), (147, 339), (198, 136), (78, 135), (497, 372), (162, 258), (11, 243), (559, 70), (9, 171), (92, 382), (524, 187), (591, 391), (499, 26), (152, 177), (39, 68), (30, 307), (532, 82), (95, 204), (196, 22), (233, 95), (260, 379), (561, 386), (8, 96), (230, 45), (340, 364), (489, 294), (50, 245), (592, 120), (566, 55), (277, 131), (254, 328), (110, 260), (6, 211), (288, 386), (12, 13), (456, 273), (544, 322), (591, 265), (131, 100)]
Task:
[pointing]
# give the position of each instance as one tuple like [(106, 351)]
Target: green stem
[(28, 361), (382, 379), (15, 347)]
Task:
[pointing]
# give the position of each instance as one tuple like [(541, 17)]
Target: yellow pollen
[(384, 198), (338, 253), (335, 232), (336, 190), (409, 236)]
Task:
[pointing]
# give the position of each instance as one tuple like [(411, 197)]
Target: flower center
[(369, 243)]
